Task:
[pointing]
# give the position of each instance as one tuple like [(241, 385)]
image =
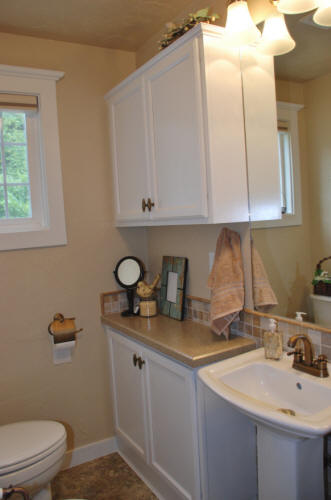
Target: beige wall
[(37, 283), (318, 105), (194, 242)]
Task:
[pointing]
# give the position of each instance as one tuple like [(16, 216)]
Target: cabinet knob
[(141, 362), (150, 204), (135, 359), (143, 205)]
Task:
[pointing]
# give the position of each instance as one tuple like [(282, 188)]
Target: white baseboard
[(89, 452)]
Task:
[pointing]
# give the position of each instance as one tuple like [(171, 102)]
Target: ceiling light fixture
[(296, 6), (240, 28), (276, 40), (323, 14)]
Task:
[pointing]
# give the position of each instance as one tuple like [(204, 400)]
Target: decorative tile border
[(113, 302), (254, 325), (251, 324), (197, 309)]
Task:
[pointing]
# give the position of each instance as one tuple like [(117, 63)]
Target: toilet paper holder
[(63, 338), (63, 329)]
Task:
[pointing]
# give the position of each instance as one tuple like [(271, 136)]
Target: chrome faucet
[(304, 361)]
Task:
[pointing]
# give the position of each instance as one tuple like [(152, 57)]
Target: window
[(285, 167), (15, 198), (289, 167), (31, 200)]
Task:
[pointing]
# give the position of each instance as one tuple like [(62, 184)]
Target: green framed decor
[(173, 283)]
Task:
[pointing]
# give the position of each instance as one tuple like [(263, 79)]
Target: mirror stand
[(130, 297)]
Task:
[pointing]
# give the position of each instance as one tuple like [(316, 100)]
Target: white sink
[(262, 388)]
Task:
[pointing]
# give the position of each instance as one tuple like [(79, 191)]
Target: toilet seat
[(23, 444)]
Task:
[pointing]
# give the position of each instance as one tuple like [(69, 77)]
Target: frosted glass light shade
[(240, 28), (296, 6), (323, 14), (276, 39)]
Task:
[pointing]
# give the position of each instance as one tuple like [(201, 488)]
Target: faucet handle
[(298, 356), (322, 363)]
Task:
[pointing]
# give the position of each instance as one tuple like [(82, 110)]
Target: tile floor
[(106, 478)]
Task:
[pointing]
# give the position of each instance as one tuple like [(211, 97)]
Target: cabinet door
[(173, 427), (129, 151), (177, 146), (128, 393), (261, 135)]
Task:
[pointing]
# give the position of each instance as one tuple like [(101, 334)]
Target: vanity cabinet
[(155, 417), (178, 137)]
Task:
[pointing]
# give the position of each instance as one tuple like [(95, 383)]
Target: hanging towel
[(263, 295), (226, 281)]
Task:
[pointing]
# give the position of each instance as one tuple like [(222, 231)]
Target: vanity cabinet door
[(176, 135), (128, 128), (173, 423), (128, 393)]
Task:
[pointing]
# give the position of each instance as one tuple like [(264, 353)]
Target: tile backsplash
[(113, 302), (250, 324)]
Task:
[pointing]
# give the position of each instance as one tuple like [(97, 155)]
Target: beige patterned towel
[(226, 281), (263, 295)]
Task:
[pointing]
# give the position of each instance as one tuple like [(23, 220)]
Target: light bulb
[(323, 14), (296, 6), (240, 28), (276, 39)]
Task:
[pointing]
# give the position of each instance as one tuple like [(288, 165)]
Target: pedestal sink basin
[(265, 389), (292, 411)]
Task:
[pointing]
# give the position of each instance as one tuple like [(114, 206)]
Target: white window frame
[(288, 112), (47, 225)]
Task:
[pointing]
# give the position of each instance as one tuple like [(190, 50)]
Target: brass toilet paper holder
[(63, 329)]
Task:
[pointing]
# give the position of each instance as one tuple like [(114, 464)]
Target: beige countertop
[(187, 341)]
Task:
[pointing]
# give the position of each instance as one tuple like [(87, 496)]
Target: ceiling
[(127, 24), (116, 24), (311, 57)]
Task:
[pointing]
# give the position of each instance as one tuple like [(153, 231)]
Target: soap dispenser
[(273, 341), (299, 315)]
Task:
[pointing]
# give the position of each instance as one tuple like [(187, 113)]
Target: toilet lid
[(24, 443)]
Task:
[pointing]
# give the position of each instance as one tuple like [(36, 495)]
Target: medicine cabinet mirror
[(291, 251)]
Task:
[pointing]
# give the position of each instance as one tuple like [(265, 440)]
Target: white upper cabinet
[(261, 135), (130, 150), (178, 135), (177, 149)]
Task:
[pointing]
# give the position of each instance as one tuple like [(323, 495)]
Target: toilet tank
[(322, 309)]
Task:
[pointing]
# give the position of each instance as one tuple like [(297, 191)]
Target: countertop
[(187, 341)]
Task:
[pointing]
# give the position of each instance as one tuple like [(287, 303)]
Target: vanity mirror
[(128, 271), (291, 248)]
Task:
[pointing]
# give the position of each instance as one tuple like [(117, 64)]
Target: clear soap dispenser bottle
[(273, 341)]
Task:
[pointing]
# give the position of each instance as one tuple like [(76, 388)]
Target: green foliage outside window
[(14, 186)]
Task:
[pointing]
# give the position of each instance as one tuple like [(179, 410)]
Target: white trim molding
[(90, 452), (288, 112), (26, 72), (46, 227)]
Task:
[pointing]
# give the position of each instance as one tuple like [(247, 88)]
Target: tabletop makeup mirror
[(291, 248), (128, 272)]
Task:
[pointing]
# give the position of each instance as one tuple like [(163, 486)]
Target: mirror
[(290, 252), (128, 271), (173, 284)]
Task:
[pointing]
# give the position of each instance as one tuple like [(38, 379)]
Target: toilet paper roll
[(64, 346), (62, 353)]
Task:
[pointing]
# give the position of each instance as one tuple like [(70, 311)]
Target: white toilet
[(322, 309), (31, 454)]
